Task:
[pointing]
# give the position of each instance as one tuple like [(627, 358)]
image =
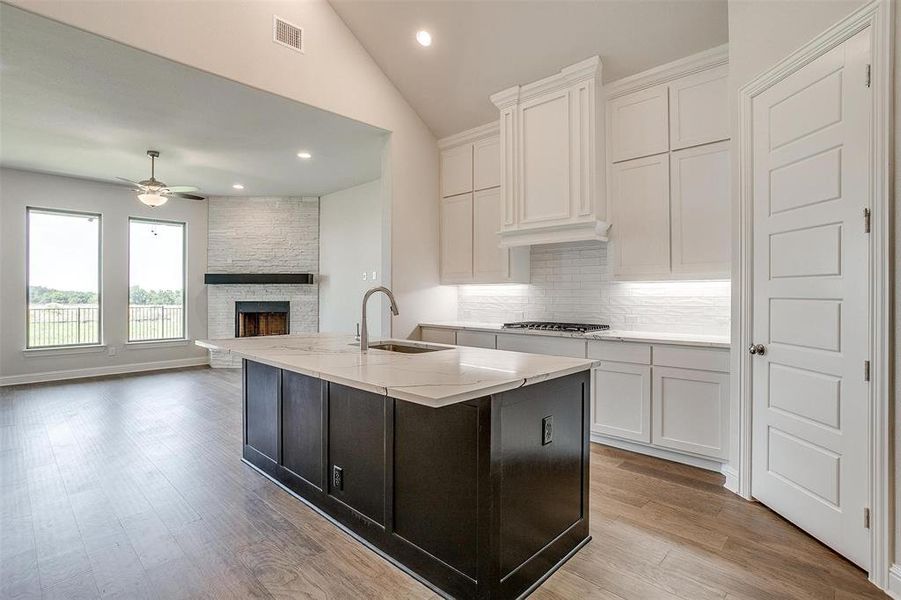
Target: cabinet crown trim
[(581, 71), (470, 135), (553, 234), (702, 61)]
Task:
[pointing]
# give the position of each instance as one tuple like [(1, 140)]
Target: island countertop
[(441, 378)]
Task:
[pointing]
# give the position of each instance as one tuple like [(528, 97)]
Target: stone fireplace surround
[(262, 235)]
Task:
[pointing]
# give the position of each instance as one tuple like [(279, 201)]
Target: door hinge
[(866, 220), (866, 518), (869, 75), (866, 370)]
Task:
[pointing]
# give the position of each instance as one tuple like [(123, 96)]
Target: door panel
[(622, 400), (639, 124), (545, 162), (641, 216), (456, 170), (490, 262), (699, 108), (691, 411), (810, 401), (456, 239)]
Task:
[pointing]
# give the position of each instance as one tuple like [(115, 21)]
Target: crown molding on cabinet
[(470, 135), (689, 65), (581, 71)]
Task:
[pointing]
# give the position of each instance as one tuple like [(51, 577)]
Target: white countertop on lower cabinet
[(449, 376), (648, 337)]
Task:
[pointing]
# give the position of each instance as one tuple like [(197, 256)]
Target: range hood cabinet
[(552, 158)]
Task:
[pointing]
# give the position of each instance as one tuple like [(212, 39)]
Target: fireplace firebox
[(262, 318)]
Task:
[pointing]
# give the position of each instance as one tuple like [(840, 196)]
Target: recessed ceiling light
[(238, 186), (304, 155), (424, 38)]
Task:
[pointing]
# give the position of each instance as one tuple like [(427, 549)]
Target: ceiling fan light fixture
[(152, 200)]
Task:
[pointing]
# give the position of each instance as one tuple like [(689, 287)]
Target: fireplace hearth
[(262, 318)]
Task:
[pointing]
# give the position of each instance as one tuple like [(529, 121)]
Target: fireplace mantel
[(257, 278)]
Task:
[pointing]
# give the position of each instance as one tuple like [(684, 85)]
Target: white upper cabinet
[(486, 163), (549, 157), (471, 218), (456, 239), (640, 213), (638, 124), (456, 170), (701, 210), (699, 108), (669, 170)]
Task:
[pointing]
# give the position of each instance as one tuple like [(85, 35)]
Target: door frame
[(877, 15)]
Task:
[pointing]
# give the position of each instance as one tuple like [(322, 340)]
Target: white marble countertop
[(649, 337), (449, 376)]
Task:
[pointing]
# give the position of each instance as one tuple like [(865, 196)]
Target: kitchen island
[(467, 467)]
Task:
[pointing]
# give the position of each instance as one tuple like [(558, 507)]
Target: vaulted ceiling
[(73, 103), (481, 47)]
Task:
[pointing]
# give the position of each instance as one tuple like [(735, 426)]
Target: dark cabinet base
[(472, 498)]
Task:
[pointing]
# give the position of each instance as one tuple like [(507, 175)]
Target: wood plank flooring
[(132, 487)]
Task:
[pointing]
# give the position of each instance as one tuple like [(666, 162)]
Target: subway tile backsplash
[(574, 282)]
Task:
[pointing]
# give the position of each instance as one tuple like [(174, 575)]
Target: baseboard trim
[(894, 581), (46, 376), (686, 459), (732, 480)]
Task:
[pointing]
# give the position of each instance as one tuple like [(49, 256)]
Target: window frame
[(184, 281), (100, 328)]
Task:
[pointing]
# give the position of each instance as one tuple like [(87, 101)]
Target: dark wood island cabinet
[(480, 499)]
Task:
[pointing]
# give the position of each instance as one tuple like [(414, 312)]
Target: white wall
[(234, 40), (20, 189), (350, 245)]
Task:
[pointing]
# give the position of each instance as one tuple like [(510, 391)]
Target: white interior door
[(811, 261)]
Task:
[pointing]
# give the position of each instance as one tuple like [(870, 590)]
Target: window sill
[(157, 344), (62, 350)]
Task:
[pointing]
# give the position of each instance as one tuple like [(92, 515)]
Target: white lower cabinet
[(622, 400), (691, 411), (672, 398)]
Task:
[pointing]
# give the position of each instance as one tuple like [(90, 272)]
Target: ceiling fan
[(156, 193)]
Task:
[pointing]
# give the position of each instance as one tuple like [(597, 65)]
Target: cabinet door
[(701, 210), (490, 262), (302, 426), (261, 408), (544, 159), (691, 411), (356, 445), (621, 404), (639, 197), (638, 124), (699, 108), (486, 163), (456, 170), (456, 239)]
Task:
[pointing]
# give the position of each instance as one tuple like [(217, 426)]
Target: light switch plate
[(547, 430)]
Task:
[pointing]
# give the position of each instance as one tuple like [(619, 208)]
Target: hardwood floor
[(132, 487)]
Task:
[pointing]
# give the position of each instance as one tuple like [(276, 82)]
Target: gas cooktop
[(555, 326)]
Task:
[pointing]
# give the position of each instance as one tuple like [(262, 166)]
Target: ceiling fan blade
[(129, 181), (175, 189), (188, 196)]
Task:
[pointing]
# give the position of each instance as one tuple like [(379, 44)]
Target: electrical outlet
[(547, 430), (337, 478), (112, 351)]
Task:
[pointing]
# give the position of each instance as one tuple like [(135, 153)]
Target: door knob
[(758, 349)]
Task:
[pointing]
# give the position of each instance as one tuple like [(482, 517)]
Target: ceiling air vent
[(287, 34)]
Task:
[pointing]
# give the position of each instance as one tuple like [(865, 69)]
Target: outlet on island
[(337, 478), (547, 430)]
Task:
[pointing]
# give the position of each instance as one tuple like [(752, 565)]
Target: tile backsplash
[(574, 282)]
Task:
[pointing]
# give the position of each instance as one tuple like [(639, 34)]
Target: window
[(156, 280), (62, 278)]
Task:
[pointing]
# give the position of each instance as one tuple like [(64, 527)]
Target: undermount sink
[(406, 348)]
